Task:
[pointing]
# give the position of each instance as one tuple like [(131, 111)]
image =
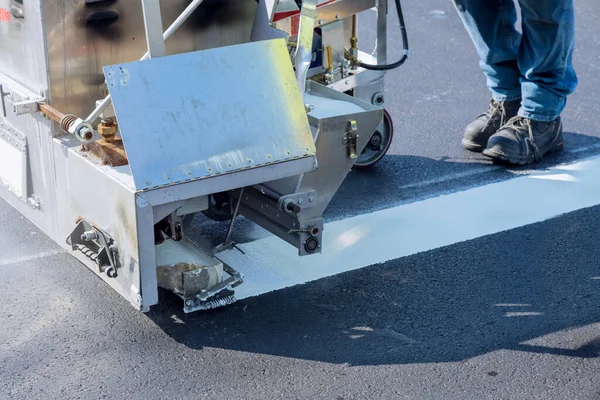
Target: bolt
[(378, 99), (311, 199), (189, 303), (337, 16), (110, 271), (320, 22), (89, 235), (113, 248), (84, 133), (375, 140), (313, 230)]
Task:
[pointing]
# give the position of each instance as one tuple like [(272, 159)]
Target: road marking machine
[(115, 132)]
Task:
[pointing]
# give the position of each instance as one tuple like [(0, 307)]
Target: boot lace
[(521, 127), (494, 109)]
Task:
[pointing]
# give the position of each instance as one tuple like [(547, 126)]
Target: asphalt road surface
[(510, 315)]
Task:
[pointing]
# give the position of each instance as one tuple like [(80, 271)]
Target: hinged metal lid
[(207, 113)]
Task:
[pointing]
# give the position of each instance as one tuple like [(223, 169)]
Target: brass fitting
[(108, 129), (329, 59)]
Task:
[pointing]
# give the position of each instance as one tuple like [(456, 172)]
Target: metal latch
[(350, 139), (27, 106)]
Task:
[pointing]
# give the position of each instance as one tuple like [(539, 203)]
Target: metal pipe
[(166, 36), (268, 192)]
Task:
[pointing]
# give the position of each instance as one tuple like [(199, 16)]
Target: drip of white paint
[(270, 264), (16, 260)]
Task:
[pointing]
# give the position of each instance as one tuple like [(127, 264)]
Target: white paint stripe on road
[(16, 260), (270, 264)]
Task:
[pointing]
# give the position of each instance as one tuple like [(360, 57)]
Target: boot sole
[(554, 146), (472, 146)]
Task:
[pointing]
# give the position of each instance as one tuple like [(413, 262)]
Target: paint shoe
[(524, 141), (485, 125)]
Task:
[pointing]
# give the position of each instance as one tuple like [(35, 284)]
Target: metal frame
[(154, 31)]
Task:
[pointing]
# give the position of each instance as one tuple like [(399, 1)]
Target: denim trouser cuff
[(504, 97), (536, 117)]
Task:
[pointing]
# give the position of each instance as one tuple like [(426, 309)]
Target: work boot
[(523, 141), (479, 131)]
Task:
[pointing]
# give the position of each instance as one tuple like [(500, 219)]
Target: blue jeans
[(535, 66)]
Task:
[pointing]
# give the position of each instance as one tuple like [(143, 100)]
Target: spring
[(67, 121), (89, 253), (212, 304)]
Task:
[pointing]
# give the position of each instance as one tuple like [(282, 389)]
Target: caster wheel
[(378, 145), (218, 207)]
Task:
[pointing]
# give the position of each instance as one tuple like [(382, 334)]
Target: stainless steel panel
[(330, 119), (80, 42), (180, 122), (87, 191), (13, 162), (22, 54), (248, 177)]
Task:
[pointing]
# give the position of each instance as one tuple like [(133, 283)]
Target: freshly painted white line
[(270, 264), (16, 260)]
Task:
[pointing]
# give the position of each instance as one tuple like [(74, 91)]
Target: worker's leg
[(545, 57), (547, 78), (491, 26)]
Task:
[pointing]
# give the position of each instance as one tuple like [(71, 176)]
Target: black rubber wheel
[(378, 145), (219, 208)]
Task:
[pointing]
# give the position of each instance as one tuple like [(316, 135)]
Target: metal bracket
[(97, 246), (350, 139), (217, 296)]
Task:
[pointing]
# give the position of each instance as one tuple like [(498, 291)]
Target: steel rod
[(52, 113)]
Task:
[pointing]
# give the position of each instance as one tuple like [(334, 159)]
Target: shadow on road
[(450, 304)]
